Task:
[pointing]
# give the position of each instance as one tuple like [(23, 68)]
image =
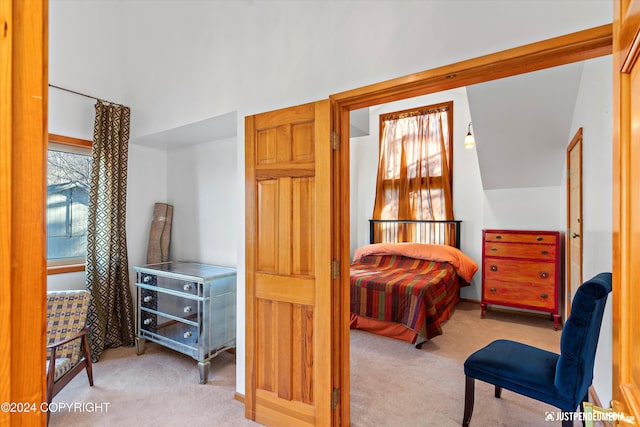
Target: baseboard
[(239, 397)]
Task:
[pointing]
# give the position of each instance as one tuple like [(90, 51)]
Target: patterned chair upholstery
[(67, 344)]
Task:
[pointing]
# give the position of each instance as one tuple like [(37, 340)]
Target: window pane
[(68, 177)]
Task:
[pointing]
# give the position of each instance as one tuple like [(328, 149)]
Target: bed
[(405, 283)]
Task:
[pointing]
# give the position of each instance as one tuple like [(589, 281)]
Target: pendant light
[(469, 140)]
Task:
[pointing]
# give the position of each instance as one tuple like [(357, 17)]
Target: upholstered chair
[(67, 344), (561, 380)]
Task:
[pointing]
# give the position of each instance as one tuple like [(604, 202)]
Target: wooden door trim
[(577, 138), (574, 47), (625, 55), (23, 143)]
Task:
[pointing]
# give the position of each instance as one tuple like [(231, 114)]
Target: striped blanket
[(404, 290)]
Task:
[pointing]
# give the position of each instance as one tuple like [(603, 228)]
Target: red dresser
[(522, 269)]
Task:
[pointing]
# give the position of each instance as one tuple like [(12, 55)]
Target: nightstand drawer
[(517, 271), (520, 250), (497, 292), (541, 238)]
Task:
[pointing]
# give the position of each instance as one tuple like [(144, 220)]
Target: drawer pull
[(493, 267), (187, 286), (148, 321), (544, 274), (148, 298), (187, 309), (539, 239), (545, 252), (494, 249), (498, 237), (494, 290), (544, 296), (187, 334)]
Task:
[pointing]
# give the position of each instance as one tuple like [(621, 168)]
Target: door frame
[(23, 147), (577, 138), (574, 47)]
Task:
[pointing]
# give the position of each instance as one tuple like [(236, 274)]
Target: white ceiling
[(212, 129), (522, 126)]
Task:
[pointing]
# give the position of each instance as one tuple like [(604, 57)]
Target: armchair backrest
[(66, 315), (579, 340)]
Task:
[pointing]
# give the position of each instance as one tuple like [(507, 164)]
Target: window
[(68, 179), (415, 164)]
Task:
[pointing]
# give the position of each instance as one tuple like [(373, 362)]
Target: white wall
[(593, 112), (201, 186)]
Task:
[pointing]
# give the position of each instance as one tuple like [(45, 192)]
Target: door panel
[(288, 266), (626, 207)]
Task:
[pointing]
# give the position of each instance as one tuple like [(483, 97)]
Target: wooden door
[(574, 217), (626, 206), (288, 266)]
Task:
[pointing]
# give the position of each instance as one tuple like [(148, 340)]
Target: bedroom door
[(288, 266), (626, 206), (574, 217)]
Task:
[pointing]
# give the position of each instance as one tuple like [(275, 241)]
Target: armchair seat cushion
[(63, 365), (520, 368)]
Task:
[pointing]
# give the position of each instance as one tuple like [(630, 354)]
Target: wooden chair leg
[(498, 392), (87, 355), (469, 395)]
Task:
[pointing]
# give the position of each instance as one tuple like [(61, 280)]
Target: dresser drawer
[(171, 284), (519, 271), (541, 238), (182, 333), (173, 305), (535, 296), (520, 250)]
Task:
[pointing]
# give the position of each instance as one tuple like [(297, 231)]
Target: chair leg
[(469, 395), (498, 392), (567, 421), (87, 356)]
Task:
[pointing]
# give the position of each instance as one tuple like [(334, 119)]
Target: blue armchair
[(561, 380)]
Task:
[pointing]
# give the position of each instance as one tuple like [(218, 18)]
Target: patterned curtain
[(110, 316)]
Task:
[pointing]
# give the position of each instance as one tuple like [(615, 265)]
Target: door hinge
[(335, 398), (335, 140), (335, 269)]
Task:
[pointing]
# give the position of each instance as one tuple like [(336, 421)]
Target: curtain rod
[(81, 94)]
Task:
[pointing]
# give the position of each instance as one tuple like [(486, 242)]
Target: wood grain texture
[(23, 114), (288, 266), (521, 272), (626, 205)]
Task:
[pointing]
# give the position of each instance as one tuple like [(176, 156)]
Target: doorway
[(558, 51)]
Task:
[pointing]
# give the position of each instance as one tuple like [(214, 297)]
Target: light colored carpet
[(392, 383)]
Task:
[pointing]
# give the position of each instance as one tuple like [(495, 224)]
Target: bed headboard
[(437, 232)]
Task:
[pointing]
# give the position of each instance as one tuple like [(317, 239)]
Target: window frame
[(446, 106), (71, 145)]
